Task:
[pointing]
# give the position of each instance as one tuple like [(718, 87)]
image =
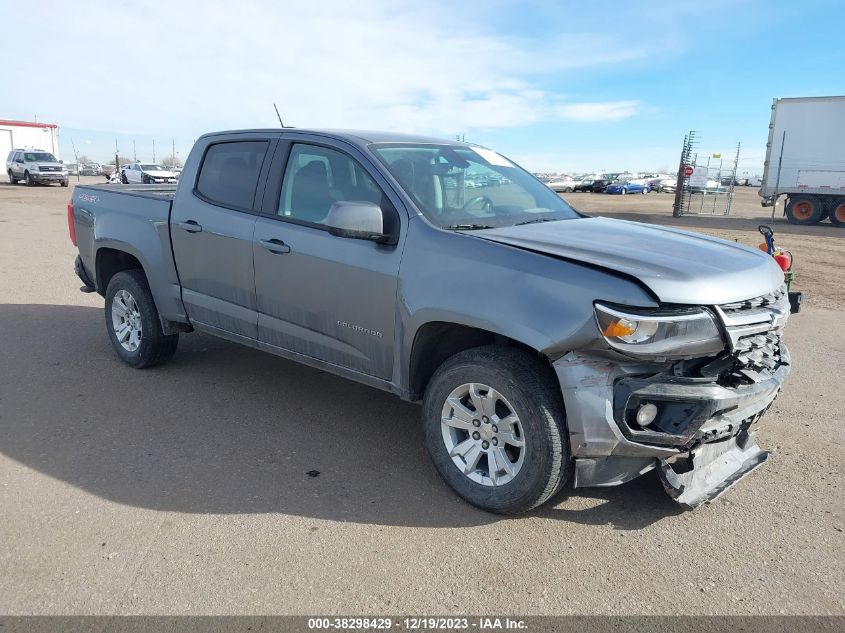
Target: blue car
[(628, 187)]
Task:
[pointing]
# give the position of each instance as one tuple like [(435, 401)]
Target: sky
[(556, 86)]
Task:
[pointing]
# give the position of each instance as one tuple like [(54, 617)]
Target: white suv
[(35, 166)]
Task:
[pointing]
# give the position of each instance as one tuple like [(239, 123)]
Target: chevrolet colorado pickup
[(544, 345)]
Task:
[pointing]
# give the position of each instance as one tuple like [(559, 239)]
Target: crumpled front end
[(702, 412)]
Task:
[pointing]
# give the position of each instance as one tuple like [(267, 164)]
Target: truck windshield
[(43, 157), (468, 187)]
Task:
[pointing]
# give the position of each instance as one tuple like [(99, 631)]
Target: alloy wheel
[(126, 320), (483, 434)]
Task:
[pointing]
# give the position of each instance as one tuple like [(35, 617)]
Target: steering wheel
[(488, 203)]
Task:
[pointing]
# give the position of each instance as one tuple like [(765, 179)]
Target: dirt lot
[(185, 489)]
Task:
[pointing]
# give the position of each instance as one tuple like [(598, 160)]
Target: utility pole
[(134, 152), (173, 151), (76, 158), (154, 150), (116, 157)]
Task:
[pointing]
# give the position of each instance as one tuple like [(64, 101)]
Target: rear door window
[(229, 173)]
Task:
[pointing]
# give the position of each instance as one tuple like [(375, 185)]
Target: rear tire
[(836, 212), (150, 346), (509, 385), (12, 178), (804, 210)]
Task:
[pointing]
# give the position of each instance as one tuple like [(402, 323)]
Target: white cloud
[(191, 67), (606, 111)]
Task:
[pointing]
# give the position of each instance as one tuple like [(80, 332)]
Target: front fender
[(540, 301)]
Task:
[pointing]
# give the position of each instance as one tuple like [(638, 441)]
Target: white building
[(26, 135)]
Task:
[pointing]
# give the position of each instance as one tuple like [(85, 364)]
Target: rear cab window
[(229, 173)]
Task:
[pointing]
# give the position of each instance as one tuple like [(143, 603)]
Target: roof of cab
[(356, 137)]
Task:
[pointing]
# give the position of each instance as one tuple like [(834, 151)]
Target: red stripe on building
[(27, 124)]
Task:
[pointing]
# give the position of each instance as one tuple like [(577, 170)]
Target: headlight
[(660, 335)]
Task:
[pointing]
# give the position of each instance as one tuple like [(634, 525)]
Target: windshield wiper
[(535, 220), (467, 227)]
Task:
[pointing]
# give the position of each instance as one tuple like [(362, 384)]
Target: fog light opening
[(646, 414)]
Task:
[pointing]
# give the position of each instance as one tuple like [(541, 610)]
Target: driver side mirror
[(358, 220)]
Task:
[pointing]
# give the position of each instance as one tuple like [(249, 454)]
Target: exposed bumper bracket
[(711, 469)]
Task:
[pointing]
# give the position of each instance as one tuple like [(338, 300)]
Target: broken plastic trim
[(714, 468)]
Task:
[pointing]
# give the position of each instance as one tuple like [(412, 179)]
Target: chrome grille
[(754, 328)]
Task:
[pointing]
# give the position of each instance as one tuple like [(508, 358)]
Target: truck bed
[(135, 220), (156, 192)]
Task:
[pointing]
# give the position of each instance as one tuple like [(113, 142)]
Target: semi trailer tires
[(804, 210), (836, 212)]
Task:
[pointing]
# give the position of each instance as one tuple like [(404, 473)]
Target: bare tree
[(171, 161), (123, 161)]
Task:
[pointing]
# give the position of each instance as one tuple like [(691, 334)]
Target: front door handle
[(275, 246), (191, 226)]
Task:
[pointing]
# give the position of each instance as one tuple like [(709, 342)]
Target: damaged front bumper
[(701, 439)]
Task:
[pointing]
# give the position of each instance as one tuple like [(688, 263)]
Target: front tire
[(624, 192), (495, 429), (28, 179), (133, 324)]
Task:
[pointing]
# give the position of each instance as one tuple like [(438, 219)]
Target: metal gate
[(705, 183)]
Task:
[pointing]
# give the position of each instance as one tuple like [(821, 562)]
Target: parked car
[(72, 169), (600, 185), (346, 252), (147, 173), (35, 166), (710, 186), (562, 185), (628, 186), (90, 169), (585, 184), (667, 185)]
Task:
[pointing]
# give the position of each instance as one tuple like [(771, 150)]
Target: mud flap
[(714, 468)]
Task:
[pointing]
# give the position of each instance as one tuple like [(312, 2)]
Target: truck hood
[(678, 266)]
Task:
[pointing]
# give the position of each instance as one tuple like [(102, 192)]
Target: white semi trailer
[(805, 159)]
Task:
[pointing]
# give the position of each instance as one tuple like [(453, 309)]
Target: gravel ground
[(185, 489)]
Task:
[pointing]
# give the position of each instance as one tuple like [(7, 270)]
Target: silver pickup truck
[(544, 345)]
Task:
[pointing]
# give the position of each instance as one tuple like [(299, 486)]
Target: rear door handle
[(275, 246), (191, 226)]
